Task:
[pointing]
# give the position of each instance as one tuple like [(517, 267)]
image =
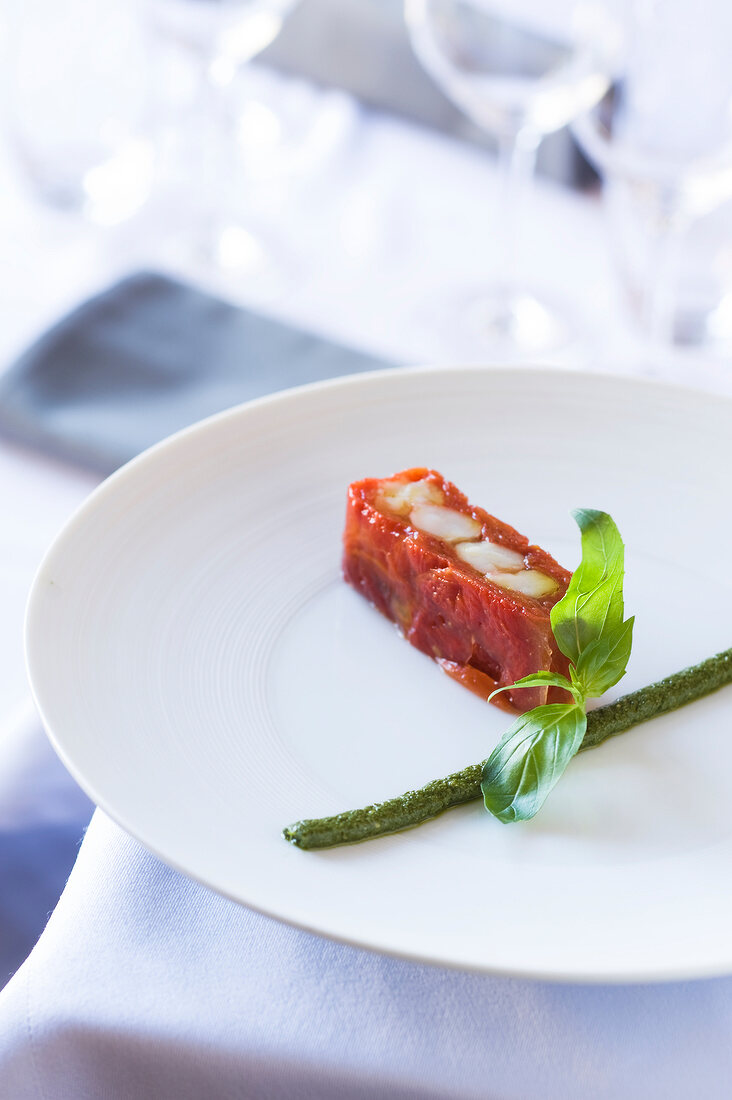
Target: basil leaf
[(589, 629), (603, 662), (530, 758), (539, 679), (592, 607)]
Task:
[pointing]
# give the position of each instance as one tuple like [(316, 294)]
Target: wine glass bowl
[(507, 77), (694, 181), (77, 110), (226, 32), (661, 139), (217, 38)]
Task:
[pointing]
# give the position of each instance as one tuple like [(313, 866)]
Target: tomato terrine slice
[(463, 587)]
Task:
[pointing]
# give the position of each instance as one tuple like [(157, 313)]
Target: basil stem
[(414, 807)]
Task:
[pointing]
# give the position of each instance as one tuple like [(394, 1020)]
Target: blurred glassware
[(520, 70), (662, 140), (77, 104), (219, 37)]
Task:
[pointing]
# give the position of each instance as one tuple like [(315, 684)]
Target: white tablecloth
[(145, 984)]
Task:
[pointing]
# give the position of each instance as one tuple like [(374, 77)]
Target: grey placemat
[(147, 357)]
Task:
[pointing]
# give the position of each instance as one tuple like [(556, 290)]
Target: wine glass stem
[(214, 132), (661, 279), (516, 160)]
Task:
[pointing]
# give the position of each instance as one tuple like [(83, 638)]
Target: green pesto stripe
[(414, 807)]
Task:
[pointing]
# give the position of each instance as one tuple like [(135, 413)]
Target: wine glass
[(662, 140), (219, 37), (519, 72), (78, 104)]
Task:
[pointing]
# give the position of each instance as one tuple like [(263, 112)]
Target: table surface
[(383, 222)]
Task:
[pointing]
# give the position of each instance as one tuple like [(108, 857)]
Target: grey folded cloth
[(147, 357)]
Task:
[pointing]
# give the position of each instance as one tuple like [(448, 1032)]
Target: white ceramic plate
[(208, 678)]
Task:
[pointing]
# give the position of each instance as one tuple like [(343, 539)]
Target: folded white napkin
[(145, 984)]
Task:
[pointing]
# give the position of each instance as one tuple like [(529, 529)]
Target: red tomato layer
[(483, 635)]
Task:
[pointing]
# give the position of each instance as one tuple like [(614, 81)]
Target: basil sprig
[(589, 629)]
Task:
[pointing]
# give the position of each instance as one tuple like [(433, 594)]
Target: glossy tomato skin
[(482, 635)]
